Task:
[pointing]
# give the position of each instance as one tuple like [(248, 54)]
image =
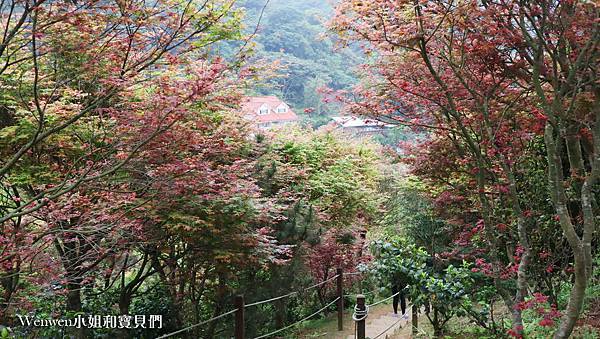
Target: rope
[(272, 299), (353, 273), (198, 324), (299, 321), (259, 303), (378, 289), (388, 298), (321, 283), (394, 324), (291, 294), (360, 315), (387, 329)]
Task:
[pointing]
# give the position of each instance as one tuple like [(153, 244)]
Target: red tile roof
[(251, 105)]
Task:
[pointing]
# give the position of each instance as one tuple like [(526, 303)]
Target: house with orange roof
[(267, 111)]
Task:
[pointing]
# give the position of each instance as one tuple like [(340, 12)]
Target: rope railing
[(389, 327), (392, 325), (361, 312), (354, 273), (359, 315), (272, 299), (383, 300), (322, 282), (292, 293), (198, 324), (253, 304), (299, 321), (378, 289)]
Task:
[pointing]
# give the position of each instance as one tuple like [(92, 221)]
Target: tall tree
[(558, 45), (455, 69), (64, 64), (89, 88)]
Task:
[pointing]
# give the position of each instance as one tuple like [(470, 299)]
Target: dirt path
[(387, 326), (379, 320)]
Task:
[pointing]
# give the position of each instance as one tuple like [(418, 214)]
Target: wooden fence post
[(239, 317), (360, 325), (340, 303), (415, 320)]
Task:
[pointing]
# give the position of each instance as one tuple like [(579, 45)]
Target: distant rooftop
[(349, 121), (267, 109)]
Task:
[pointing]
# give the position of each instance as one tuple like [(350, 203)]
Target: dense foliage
[(508, 94), (131, 185), (129, 182)]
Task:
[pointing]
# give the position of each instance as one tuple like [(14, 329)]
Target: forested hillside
[(143, 196), (294, 33)]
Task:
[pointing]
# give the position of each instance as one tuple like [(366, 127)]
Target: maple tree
[(129, 181), (336, 249), (559, 46), (87, 101), (209, 214), (67, 64), (478, 77)]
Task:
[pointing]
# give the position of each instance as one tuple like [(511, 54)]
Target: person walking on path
[(398, 290)]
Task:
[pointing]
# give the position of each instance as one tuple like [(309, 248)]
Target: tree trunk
[(74, 305), (581, 246), (576, 299), (9, 283), (279, 313), (74, 297), (437, 328)]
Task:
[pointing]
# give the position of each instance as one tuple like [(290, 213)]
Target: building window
[(281, 109), (263, 110)]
